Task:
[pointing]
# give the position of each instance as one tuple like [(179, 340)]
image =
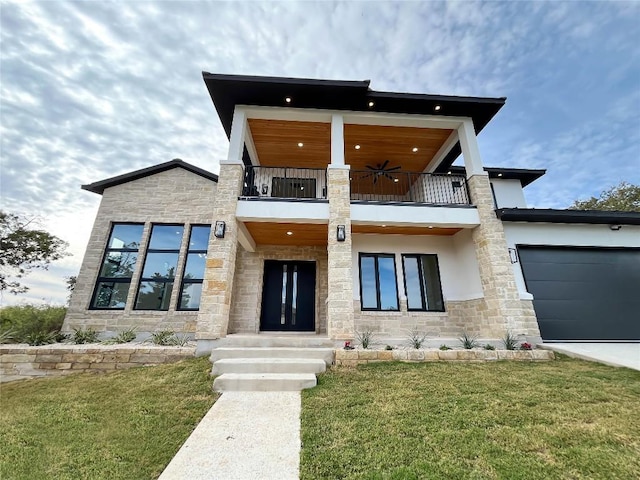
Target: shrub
[(416, 339), (525, 346), (180, 340), (388, 347), (163, 337), (509, 341), (126, 336), (489, 347), (25, 321), (468, 342), (7, 335), (444, 347), (39, 338), (365, 338), (81, 336)]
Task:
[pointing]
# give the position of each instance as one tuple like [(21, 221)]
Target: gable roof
[(100, 186), (227, 91), (525, 175)]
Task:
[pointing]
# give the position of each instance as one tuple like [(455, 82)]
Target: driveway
[(615, 354)]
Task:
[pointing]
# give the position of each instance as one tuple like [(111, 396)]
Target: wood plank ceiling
[(276, 142), (302, 234)]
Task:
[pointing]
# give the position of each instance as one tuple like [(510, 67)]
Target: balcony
[(408, 187), (284, 183)]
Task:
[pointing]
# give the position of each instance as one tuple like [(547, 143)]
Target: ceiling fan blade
[(384, 165), (393, 168), (371, 168), (389, 177), (375, 179)]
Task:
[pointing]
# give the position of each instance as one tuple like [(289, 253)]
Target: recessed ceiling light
[(437, 107), (289, 232), (300, 144), (287, 99), (430, 226), (449, 172), (396, 180), (357, 147), (383, 226), (499, 174), (371, 104), (414, 149)]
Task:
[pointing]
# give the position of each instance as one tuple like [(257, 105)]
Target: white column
[(337, 140), (470, 150), (238, 132)]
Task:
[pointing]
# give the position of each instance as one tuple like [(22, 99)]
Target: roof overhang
[(100, 186), (526, 176), (227, 91), (539, 215)]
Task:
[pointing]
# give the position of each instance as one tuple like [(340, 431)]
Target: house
[(338, 210)]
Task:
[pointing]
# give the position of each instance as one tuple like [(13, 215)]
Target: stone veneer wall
[(215, 306), (174, 196), (21, 362), (340, 319), (247, 290), (503, 308)]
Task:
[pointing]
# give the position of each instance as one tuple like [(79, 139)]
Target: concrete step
[(268, 365), (325, 354), (266, 340), (264, 382)]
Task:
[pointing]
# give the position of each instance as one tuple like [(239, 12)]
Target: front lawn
[(122, 425), (507, 420)]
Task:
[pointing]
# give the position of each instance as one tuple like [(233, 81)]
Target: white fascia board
[(282, 212), (245, 239), (415, 216), (352, 117), (251, 147)]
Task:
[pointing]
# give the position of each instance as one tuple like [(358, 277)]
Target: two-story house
[(338, 210)]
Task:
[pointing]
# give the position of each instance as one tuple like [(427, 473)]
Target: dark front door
[(288, 296)]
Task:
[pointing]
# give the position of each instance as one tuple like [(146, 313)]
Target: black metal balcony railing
[(284, 182), (432, 188)]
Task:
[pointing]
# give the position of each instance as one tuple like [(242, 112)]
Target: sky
[(90, 90)]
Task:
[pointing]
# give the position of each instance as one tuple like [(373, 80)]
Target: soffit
[(303, 234), (402, 230)]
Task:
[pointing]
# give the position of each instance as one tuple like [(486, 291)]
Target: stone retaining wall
[(22, 361), (356, 357)]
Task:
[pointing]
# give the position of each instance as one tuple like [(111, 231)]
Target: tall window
[(193, 274), (422, 283), (159, 271), (117, 267), (378, 285)]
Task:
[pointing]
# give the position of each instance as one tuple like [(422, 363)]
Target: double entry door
[(288, 296)]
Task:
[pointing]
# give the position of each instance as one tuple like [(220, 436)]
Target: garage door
[(584, 293)]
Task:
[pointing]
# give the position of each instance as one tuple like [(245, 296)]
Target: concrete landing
[(245, 435), (614, 354)]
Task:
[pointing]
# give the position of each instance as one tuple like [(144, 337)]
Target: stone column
[(213, 318), (340, 323), (504, 308)]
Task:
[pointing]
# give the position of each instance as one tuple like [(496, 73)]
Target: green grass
[(508, 420), (123, 425)]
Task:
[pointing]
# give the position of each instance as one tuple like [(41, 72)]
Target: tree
[(623, 197), (23, 249)]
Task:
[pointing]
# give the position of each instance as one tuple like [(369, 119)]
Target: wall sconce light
[(513, 255), (265, 189), (218, 232), (341, 234), (615, 228)]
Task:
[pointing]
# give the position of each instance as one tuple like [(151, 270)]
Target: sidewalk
[(245, 435)]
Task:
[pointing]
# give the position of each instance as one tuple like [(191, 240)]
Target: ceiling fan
[(381, 170)]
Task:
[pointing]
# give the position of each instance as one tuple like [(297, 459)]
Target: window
[(159, 271), (378, 285), (422, 283), (120, 257), (194, 268)]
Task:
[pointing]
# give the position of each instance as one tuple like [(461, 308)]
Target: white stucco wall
[(579, 235), (459, 272), (508, 193)]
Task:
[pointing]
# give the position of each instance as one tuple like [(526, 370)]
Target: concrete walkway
[(614, 354), (245, 435)]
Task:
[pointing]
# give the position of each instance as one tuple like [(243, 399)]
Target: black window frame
[(376, 256), (164, 280), (107, 250), (421, 278), (186, 259)]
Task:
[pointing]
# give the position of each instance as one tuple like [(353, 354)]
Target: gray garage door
[(584, 293)]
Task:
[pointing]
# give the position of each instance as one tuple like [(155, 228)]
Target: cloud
[(89, 90)]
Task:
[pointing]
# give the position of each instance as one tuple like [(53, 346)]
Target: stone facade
[(20, 362), (340, 320), (215, 306), (173, 196), (247, 290), (503, 310)]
